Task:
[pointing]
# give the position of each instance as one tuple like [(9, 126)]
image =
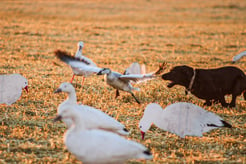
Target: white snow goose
[(238, 56), (11, 88), (90, 118), (124, 81), (181, 118), (80, 57), (97, 146)]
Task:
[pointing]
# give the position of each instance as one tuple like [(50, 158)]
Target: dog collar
[(192, 80)]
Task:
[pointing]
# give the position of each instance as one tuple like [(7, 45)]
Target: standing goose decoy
[(86, 61), (238, 56), (123, 82), (181, 118), (11, 88), (90, 118), (96, 146)]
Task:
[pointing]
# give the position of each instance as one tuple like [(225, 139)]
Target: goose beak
[(143, 134), (26, 88), (58, 90), (57, 118)]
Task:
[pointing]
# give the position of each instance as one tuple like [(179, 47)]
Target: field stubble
[(197, 33)]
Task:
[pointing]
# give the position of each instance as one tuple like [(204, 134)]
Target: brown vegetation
[(202, 34)]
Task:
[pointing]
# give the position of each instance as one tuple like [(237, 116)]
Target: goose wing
[(238, 56), (137, 78)]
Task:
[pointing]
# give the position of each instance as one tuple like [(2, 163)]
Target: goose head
[(80, 45), (23, 81), (151, 112), (144, 126), (104, 71), (26, 86), (65, 87)]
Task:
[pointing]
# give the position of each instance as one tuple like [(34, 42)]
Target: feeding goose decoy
[(89, 117), (84, 60), (238, 56), (11, 88), (180, 118), (123, 81), (96, 146)]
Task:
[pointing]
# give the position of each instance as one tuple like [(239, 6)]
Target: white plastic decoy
[(180, 118), (11, 88)]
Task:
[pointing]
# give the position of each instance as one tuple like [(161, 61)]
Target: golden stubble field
[(202, 34)]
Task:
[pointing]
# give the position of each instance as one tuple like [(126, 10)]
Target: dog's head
[(180, 75)]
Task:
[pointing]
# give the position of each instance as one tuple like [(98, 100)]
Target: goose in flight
[(80, 57), (124, 81), (180, 118), (80, 66)]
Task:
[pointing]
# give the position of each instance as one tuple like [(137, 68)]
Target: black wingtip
[(125, 130), (147, 152), (226, 124), (66, 57), (63, 55)]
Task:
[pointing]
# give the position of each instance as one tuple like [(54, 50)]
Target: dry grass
[(204, 34)]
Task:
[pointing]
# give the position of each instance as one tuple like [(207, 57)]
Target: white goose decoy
[(86, 61), (11, 88), (135, 68), (97, 146), (90, 117), (123, 82), (238, 56), (181, 118)]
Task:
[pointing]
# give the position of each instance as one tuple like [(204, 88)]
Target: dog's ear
[(188, 71)]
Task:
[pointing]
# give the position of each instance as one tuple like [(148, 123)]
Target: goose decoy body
[(94, 146), (181, 118), (89, 117), (11, 87)]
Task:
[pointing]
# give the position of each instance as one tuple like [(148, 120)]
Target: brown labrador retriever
[(209, 84)]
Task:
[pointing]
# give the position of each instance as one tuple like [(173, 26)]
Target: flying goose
[(123, 81), (11, 88), (96, 146), (79, 56), (89, 117), (180, 118), (238, 56)]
